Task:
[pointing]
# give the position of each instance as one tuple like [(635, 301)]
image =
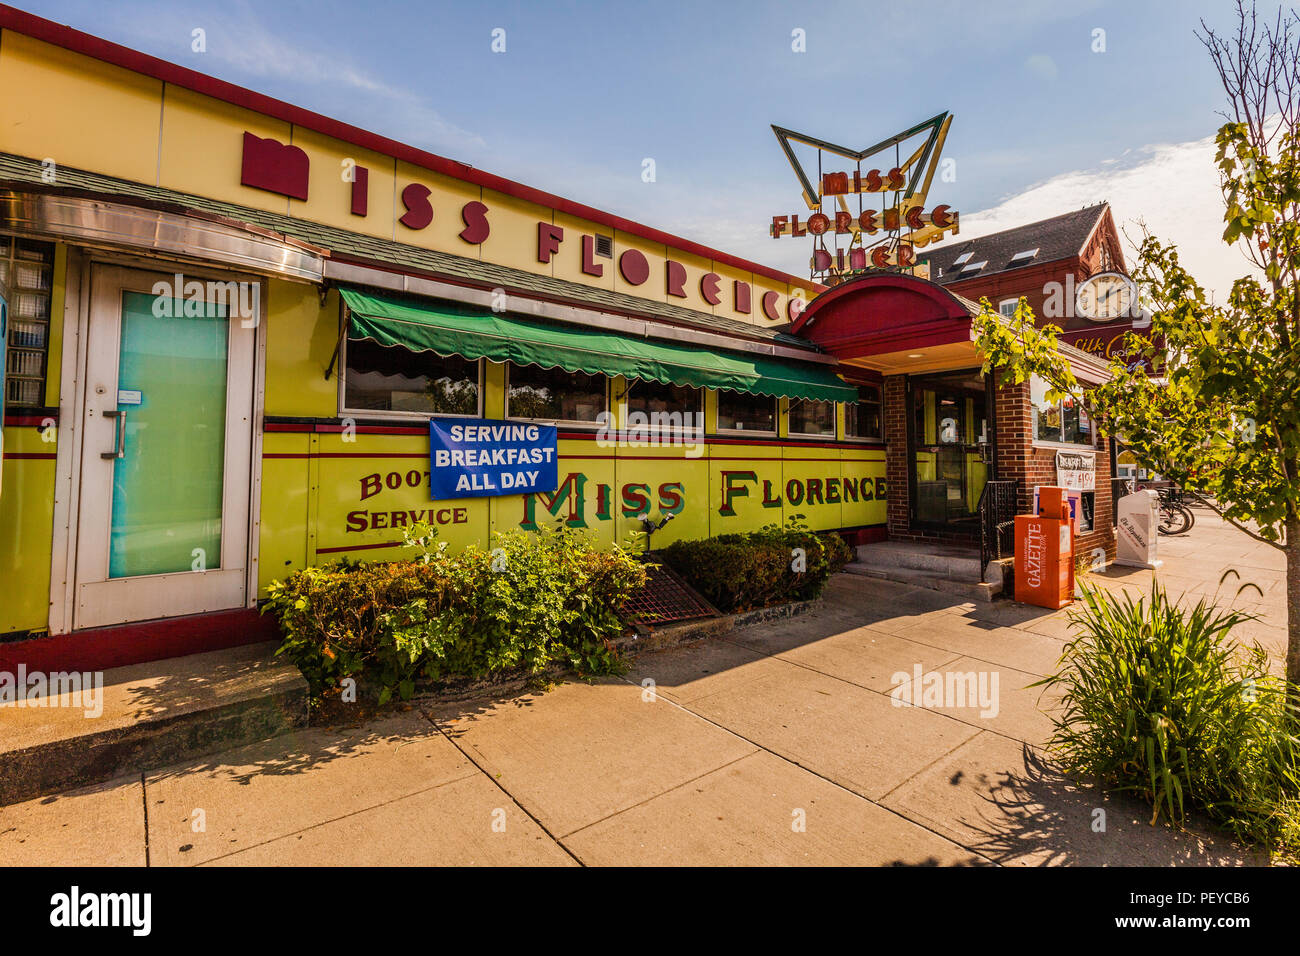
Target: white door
[(163, 524)]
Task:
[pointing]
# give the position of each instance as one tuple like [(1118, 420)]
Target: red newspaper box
[(1045, 552)]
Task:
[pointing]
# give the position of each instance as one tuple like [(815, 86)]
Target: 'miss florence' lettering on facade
[(285, 169), (579, 503)]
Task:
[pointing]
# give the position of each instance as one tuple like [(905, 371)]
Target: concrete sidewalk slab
[(1017, 710), (866, 657), (254, 794), (582, 752), (147, 715), (100, 825), (467, 822), (996, 645), (683, 674), (747, 814), (852, 736), (999, 798)]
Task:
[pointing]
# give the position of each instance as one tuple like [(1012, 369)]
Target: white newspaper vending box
[(1136, 529)]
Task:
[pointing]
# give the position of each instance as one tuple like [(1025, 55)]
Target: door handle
[(119, 434)]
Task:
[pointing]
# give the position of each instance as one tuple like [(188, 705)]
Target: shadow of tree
[(1035, 816)]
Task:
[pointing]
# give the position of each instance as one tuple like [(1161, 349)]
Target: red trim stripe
[(30, 455), (59, 35), (308, 428), (361, 547), (566, 458)]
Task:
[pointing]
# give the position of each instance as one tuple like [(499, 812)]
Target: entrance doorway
[(949, 448), (163, 524)]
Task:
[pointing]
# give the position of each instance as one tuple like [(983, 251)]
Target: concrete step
[(956, 561), (967, 586), (142, 717)]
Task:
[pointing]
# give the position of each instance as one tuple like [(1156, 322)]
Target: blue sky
[(585, 91)]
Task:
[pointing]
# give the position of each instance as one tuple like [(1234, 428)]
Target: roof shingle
[(1056, 238)]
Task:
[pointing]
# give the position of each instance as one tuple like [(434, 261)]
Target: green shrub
[(1159, 700), (838, 551), (737, 572), (533, 600)]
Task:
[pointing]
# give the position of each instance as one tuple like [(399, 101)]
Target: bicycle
[(1175, 517)]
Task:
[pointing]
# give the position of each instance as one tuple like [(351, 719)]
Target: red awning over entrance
[(891, 322)]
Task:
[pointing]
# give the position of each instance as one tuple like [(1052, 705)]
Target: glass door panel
[(168, 482)]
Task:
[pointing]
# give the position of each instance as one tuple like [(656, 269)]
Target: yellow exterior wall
[(26, 529), (328, 494), (86, 114), (300, 339), (370, 488), (317, 488), (27, 489), (77, 111)]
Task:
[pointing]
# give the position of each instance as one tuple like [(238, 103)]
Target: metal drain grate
[(666, 597)]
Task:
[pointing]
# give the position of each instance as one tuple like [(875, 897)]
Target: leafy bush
[(774, 565), (838, 551), (533, 600), (1160, 701)]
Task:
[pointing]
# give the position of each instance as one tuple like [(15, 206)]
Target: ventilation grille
[(666, 597)]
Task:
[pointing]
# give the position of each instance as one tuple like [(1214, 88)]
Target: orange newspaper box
[(1045, 552)]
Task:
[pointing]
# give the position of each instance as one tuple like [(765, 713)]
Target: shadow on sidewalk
[(1035, 816)]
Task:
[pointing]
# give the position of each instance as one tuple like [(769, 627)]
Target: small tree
[(1220, 413)]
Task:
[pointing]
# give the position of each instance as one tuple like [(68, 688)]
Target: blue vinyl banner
[(481, 458)]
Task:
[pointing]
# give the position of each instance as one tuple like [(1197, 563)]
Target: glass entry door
[(949, 435), (164, 519)]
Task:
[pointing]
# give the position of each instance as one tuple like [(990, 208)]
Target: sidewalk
[(779, 744)]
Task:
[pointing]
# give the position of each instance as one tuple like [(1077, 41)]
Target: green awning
[(451, 329)]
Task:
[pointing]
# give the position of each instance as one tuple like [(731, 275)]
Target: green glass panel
[(167, 490)]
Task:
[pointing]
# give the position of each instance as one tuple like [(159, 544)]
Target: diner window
[(1063, 421), (741, 411), (862, 419), (394, 379), (655, 398), (26, 274), (808, 417), (552, 394), (1007, 307)]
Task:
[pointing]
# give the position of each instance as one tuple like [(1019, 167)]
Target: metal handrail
[(997, 512)]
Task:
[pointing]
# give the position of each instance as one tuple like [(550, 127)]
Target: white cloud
[(1173, 188)]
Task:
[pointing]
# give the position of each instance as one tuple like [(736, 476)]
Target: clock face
[(1105, 297)]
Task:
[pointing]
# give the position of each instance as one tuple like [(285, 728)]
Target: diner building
[(230, 321)]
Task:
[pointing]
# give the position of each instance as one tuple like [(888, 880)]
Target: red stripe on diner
[(308, 428), (361, 547), (116, 646), (28, 421), (84, 43), (322, 429), (571, 458), (39, 455)]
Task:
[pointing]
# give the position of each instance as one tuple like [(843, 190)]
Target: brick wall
[(1017, 458), (896, 483)]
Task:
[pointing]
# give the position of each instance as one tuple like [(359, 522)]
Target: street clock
[(1105, 297)]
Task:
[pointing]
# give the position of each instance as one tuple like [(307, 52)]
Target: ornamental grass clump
[(533, 600), (1159, 700)]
